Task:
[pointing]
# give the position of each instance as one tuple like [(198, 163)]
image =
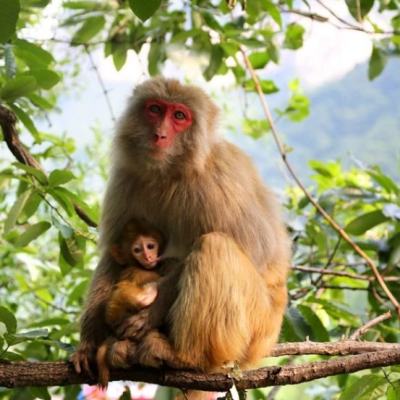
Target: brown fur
[(126, 297), (227, 301)]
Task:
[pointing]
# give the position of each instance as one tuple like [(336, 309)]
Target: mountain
[(351, 117)]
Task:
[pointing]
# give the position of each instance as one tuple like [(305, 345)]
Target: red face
[(168, 120)]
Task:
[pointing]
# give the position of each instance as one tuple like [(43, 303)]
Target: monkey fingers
[(133, 327), (81, 359), (154, 350)]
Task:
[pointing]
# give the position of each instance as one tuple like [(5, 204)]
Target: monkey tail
[(104, 372)]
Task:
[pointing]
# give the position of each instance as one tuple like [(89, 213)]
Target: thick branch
[(8, 124), (22, 374)]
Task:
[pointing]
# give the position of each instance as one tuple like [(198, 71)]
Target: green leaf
[(294, 36), (298, 107), (211, 21), (40, 392), (84, 5), (9, 60), (32, 54), (35, 3), (267, 86), (26, 120), (41, 177), (298, 325), (337, 311), (385, 181), (50, 322), (62, 200), (255, 128), (45, 78), (126, 395), (73, 197), (8, 19), (394, 243), (18, 87), (78, 292), (8, 319), (272, 11), (363, 388), (377, 63), (70, 250), (361, 224), (251, 43), (89, 29), (119, 51), (39, 101), (66, 231), (156, 50), (60, 177), (144, 9), (393, 393), (36, 333), (216, 57), (15, 211), (72, 392), (259, 60), (57, 343), (33, 232), (364, 5), (321, 168), (320, 333)]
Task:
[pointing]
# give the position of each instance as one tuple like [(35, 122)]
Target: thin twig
[(342, 232), (340, 19), (344, 287), (363, 329), (101, 83), (323, 271)]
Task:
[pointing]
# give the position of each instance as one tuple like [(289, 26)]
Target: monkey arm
[(155, 315), (94, 329)]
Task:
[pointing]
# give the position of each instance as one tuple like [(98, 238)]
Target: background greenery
[(47, 253)]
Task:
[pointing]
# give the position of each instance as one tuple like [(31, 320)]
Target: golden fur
[(206, 197)]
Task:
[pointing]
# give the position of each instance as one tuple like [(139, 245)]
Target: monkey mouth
[(149, 265), (157, 153)]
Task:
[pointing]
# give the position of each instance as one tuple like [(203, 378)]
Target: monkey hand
[(83, 358), (135, 326)]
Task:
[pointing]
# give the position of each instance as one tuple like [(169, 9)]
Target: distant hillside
[(352, 116)]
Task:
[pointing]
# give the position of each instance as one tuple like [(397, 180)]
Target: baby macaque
[(139, 249)]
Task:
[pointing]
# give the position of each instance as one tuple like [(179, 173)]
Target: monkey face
[(166, 121), (145, 250)]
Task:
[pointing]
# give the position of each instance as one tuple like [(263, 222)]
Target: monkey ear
[(116, 253)]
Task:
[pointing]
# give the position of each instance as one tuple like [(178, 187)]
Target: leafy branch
[(327, 217), (8, 124)]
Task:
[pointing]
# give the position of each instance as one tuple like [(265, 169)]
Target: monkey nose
[(160, 136)]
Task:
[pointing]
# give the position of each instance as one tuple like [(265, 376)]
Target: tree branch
[(8, 122), (324, 271), (373, 355), (327, 217)]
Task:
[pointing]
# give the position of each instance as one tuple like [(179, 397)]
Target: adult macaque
[(138, 249), (225, 302)]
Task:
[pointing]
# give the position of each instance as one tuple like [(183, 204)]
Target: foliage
[(47, 253)]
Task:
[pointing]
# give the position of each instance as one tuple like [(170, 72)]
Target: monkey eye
[(150, 246), (155, 108), (137, 250), (180, 115)]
